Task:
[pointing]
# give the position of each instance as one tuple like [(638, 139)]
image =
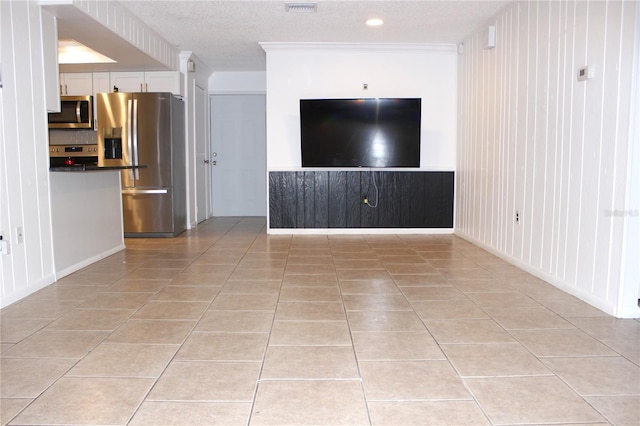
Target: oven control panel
[(73, 151)]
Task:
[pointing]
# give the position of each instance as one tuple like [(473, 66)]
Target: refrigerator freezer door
[(152, 120), (148, 212), (115, 133)]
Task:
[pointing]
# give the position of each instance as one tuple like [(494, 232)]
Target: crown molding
[(379, 47)]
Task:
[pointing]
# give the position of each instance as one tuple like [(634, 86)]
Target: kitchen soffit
[(75, 24)]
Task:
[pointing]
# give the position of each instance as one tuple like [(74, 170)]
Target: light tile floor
[(227, 325)]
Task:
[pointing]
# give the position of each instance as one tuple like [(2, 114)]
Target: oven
[(71, 155)]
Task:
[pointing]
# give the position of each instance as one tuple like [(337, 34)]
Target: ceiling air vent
[(301, 7)]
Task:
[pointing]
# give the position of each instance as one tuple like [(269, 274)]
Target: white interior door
[(203, 173), (238, 155)]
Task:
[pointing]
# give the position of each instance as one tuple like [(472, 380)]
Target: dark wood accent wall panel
[(333, 199)]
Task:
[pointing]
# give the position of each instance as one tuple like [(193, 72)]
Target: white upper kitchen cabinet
[(76, 84), (163, 81), (128, 81), (101, 83), (154, 81)]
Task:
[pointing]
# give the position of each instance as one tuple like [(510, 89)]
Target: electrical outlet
[(19, 235), (517, 217)]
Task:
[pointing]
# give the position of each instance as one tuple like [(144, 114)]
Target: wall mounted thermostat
[(585, 73)]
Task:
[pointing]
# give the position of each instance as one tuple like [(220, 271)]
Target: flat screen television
[(372, 132)]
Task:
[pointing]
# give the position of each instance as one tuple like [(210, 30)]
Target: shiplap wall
[(24, 159), (533, 139)]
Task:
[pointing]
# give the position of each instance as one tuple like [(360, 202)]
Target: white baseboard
[(24, 292), (603, 305), (86, 262), (357, 231)]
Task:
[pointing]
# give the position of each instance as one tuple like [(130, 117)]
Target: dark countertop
[(88, 168)]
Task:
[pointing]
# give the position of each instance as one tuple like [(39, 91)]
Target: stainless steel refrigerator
[(145, 131)]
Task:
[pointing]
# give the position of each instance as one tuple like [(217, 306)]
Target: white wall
[(238, 82), (24, 159), (303, 70), (533, 139)]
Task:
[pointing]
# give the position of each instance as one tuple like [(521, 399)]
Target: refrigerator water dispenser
[(112, 148)]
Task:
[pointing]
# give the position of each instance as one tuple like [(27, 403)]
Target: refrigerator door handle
[(134, 121), (143, 191), (130, 137)]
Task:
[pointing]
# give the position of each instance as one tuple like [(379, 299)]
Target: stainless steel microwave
[(76, 112)]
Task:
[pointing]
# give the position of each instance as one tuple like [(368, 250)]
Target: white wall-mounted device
[(491, 37), (585, 73)]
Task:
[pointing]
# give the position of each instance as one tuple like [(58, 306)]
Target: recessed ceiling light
[(73, 52), (301, 7), (375, 22)]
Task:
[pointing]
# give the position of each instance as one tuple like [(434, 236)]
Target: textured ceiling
[(225, 34)]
